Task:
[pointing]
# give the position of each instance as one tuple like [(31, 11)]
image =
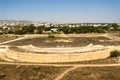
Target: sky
[(67, 11)]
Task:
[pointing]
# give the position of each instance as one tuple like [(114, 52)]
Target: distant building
[(54, 29)]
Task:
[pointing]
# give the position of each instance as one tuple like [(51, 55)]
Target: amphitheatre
[(62, 57), (62, 48)]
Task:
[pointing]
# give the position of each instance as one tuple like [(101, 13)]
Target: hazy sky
[(61, 10)]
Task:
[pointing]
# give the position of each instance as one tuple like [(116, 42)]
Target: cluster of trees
[(82, 29), (90, 29), (31, 29), (25, 30), (20, 29), (112, 27)]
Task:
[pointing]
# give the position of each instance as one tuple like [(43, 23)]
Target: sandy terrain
[(61, 54), (9, 55), (57, 54), (67, 50)]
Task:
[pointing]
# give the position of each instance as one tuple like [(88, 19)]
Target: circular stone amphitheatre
[(70, 48)]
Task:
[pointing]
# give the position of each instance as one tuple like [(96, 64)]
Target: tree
[(113, 27), (40, 29), (20, 32), (66, 30), (29, 29)]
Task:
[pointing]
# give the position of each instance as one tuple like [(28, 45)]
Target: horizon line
[(50, 21)]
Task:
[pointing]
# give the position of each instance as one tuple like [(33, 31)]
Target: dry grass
[(115, 34), (94, 73), (76, 41), (4, 38), (16, 72)]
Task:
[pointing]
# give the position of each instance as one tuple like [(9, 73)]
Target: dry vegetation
[(94, 73), (116, 34), (76, 41), (16, 72), (4, 38)]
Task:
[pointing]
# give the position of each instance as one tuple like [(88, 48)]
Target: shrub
[(51, 36), (115, 53), (86, 73), (36, 68), (42, 76), (2, 75)]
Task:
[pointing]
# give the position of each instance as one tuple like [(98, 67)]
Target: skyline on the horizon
[(68, 11)]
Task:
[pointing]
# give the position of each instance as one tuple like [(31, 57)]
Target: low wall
[(52, 58)]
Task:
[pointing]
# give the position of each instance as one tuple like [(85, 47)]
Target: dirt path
[(13, 40), (24, 37), (58, 65), (74, 67), (114, 38), (65, 72)]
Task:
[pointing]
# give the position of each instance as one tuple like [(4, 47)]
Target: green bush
[(19, 32), (115, 53)]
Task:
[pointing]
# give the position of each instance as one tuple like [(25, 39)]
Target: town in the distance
[(32, 27)]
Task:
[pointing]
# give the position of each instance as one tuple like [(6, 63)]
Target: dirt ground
[(93, 73), (17, 72), (113, 60), (20, 72), (11, 51), (4, 38), (93, 46), (64, 42)]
